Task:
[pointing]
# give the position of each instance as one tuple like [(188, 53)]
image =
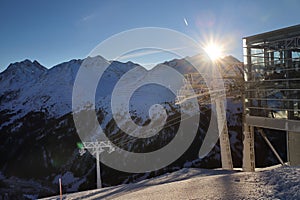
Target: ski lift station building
[(272, 89)]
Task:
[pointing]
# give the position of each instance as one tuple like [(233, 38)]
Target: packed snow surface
[(268, 183)]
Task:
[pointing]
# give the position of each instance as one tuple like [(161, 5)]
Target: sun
[(214, 51)]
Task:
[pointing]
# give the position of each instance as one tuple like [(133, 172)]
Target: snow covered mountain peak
[(20, 73), (95, 61), (26, 66)]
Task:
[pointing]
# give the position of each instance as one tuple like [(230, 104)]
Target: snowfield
[(268, 183)]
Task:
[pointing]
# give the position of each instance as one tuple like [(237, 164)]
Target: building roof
[(278, 34)]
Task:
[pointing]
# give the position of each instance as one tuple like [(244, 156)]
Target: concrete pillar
[(248, 150), (293, 144), (226, 158)]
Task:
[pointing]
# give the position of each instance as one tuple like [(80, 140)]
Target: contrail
[(185, 21)]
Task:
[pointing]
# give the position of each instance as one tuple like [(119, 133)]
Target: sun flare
[(214, 51)]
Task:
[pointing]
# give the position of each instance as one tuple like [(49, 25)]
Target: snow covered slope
[(38, 136), (276, 183)]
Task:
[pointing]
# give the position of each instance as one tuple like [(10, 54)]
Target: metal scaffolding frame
[(272, 89)]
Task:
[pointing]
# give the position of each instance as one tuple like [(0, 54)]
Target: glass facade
[(272, 74)]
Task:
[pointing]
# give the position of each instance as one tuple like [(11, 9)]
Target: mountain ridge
[(28, 61)]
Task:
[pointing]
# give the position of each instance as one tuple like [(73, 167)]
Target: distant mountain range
[(38, 137)]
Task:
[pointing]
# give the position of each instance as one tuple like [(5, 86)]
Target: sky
[(52, 32)]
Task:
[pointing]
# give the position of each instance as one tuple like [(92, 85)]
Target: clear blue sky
[(56, 31)]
